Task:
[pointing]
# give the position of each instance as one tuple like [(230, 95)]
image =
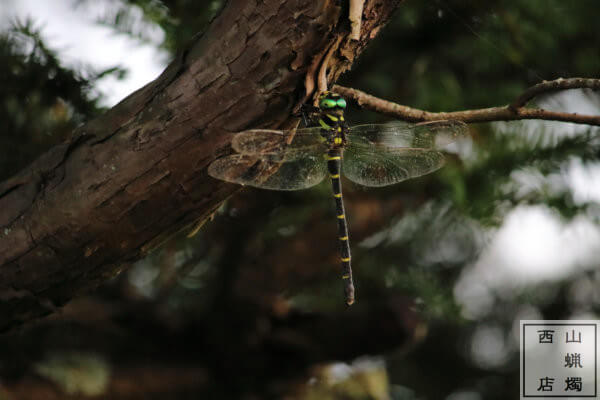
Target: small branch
[(322, 79), (511, 112), (554, 86)]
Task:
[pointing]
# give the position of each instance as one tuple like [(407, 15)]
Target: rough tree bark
[(129, 179)]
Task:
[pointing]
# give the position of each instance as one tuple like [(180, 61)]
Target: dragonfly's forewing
[(264, 173), (288, 145), (398, 134)]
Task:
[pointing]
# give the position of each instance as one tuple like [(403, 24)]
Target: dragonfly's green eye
[(327, 103), (341, 103)]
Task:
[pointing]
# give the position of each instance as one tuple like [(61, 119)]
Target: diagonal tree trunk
[(129, 179)]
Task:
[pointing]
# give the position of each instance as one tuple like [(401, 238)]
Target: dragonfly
[(371, 155)]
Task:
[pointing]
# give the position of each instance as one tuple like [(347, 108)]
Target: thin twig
[(554, 86), (309, 80), (322, 79), (511, 112)]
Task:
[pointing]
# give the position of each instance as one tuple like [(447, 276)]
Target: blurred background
[(251, 306)]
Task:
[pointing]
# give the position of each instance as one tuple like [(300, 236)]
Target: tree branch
[(129, 179), (514, 111)]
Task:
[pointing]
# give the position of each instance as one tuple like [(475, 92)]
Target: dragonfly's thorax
[(334, 129), (334, 126)]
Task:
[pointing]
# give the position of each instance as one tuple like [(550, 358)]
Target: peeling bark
[(129, 179)]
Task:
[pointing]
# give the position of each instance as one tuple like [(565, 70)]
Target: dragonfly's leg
[(309, 109), (308, 113), (345, 129), (334, 166), (329, 135), (305, 119)]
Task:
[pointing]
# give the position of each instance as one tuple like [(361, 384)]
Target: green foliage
[(488, 179), (76, 372), (447, 55), (180, 20), (365, 379), (41, 100)]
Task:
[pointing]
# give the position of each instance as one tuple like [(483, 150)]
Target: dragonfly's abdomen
[(334, 161)]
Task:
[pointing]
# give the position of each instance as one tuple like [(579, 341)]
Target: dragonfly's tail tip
[(349, 294)]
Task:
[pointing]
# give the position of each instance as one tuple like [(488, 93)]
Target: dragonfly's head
[(329, 101)]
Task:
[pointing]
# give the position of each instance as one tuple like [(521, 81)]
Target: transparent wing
[(265, 173), (381, 166), (398, 134), (384, 154), (288, 145)]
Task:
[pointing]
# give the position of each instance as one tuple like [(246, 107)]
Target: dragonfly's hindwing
[(263, 173), (275, 160), (383, 168), (385, 154)]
